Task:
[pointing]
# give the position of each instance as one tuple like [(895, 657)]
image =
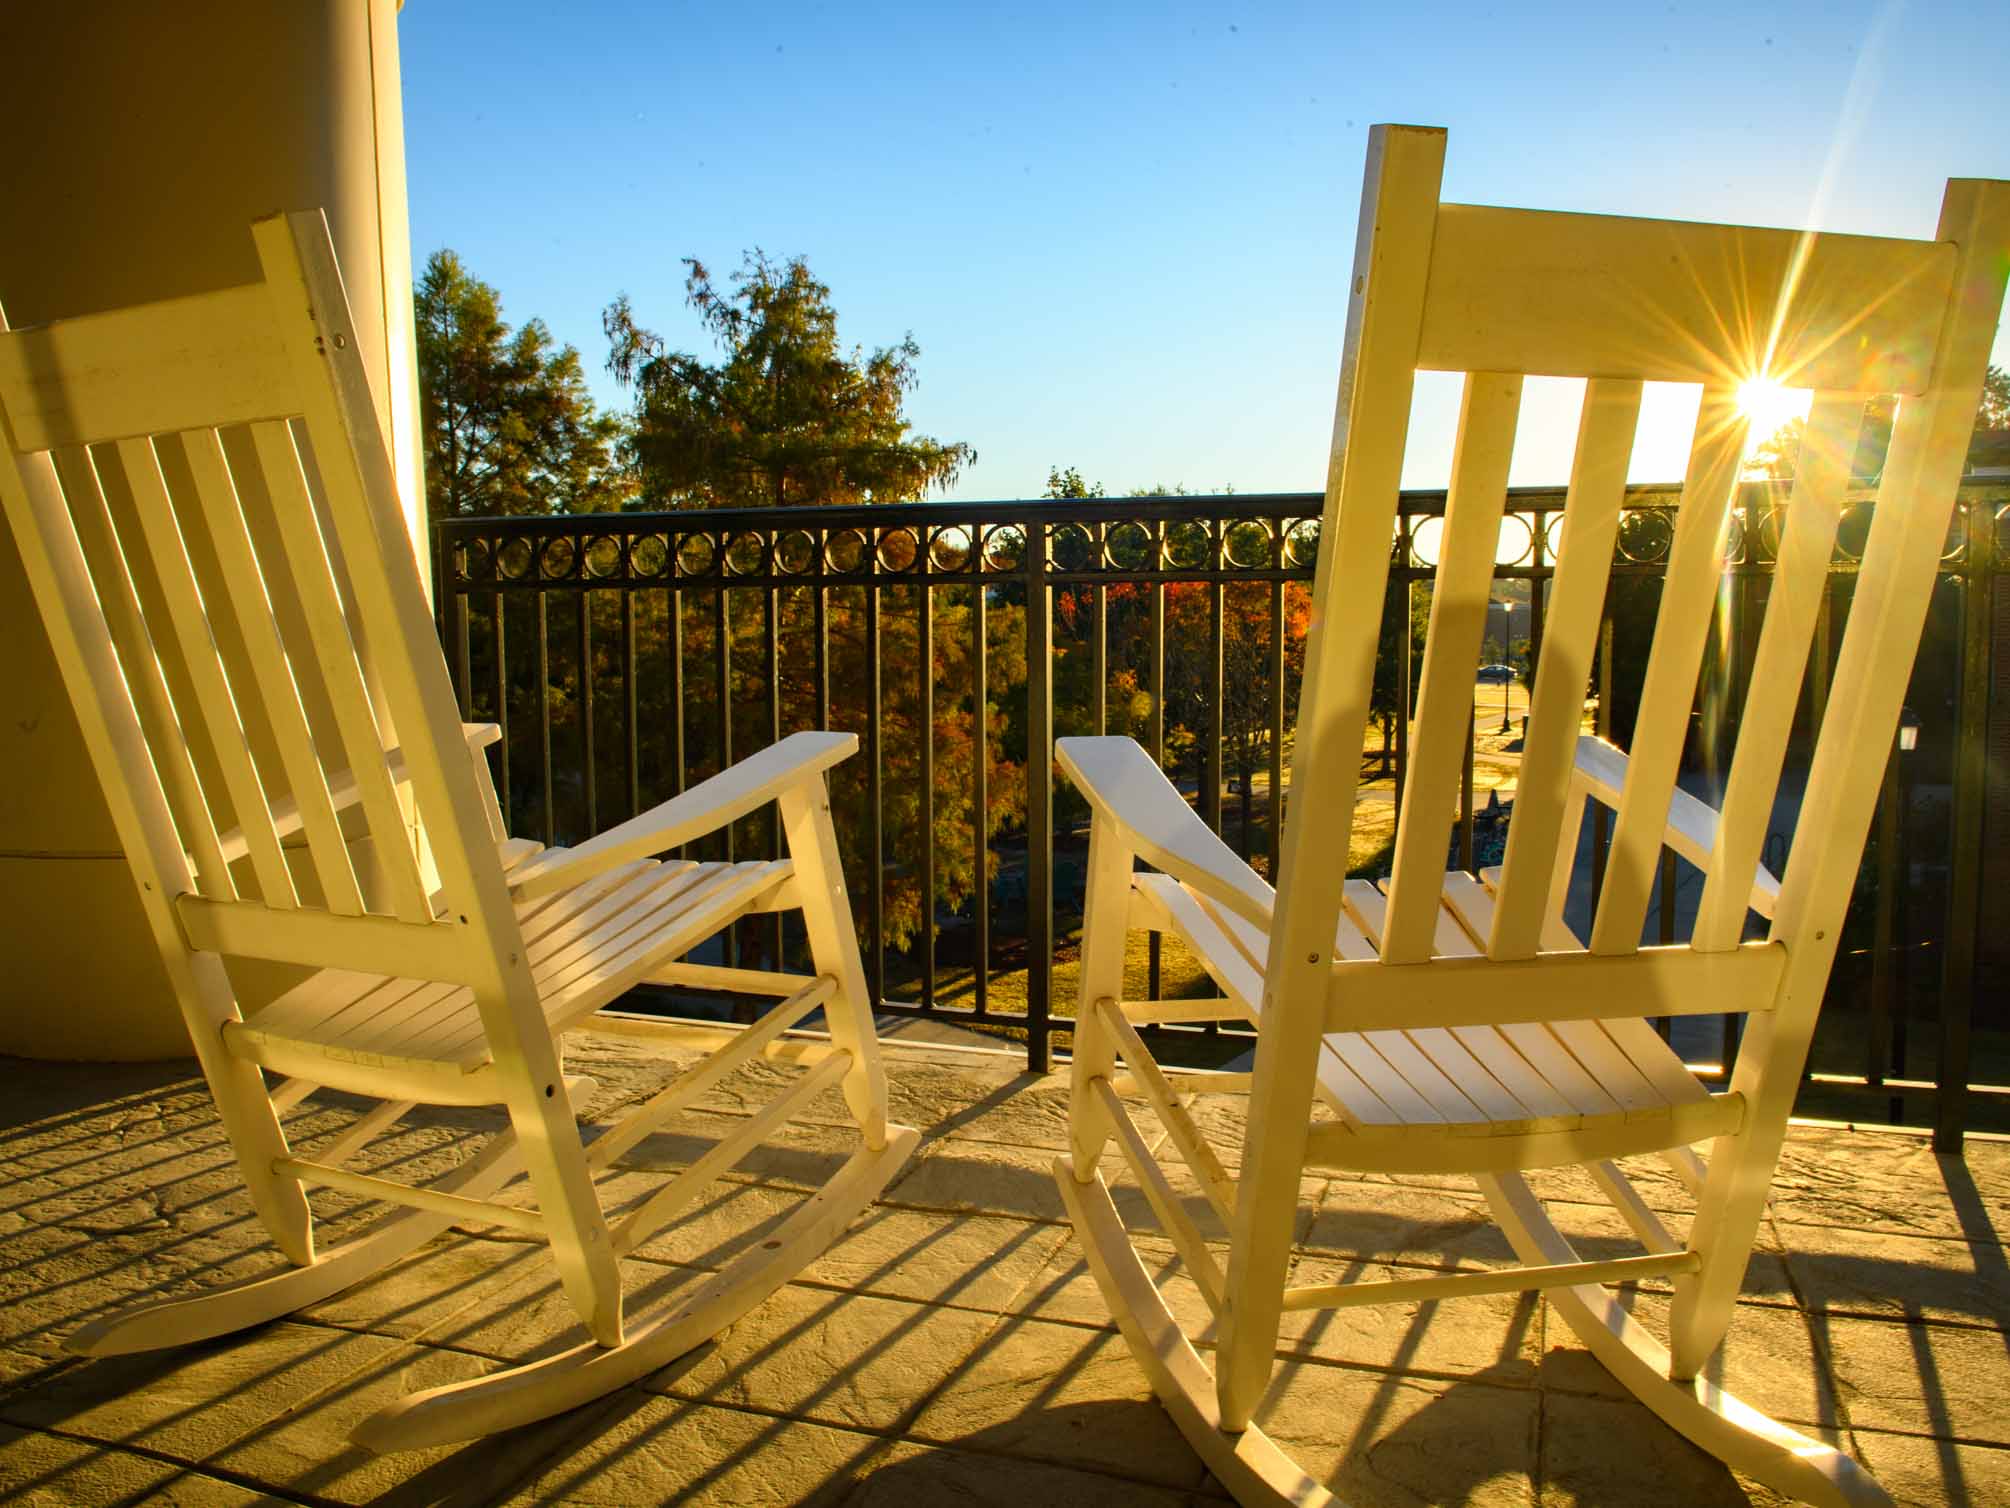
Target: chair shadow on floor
[(1396, 1424)]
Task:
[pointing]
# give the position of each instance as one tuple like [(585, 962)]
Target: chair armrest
[(1692, 824), (1123, 785), (705, 808)]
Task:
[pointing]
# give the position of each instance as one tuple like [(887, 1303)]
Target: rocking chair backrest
[(206, 508), (1500, 293)]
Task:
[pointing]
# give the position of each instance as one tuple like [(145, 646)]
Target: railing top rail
[(1235, 505), (1418, 502)]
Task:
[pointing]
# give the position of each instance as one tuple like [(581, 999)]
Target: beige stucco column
[(142, 141)]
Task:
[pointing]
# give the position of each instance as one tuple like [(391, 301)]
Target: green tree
[(787, 416), (1066, 484), (1777, 455), (509, 427)]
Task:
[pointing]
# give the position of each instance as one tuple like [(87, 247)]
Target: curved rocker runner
[(1453, 1023), (205, 506)]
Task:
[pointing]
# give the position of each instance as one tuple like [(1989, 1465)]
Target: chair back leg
[(812, 841), (1104, 913), (243, 1104), (1732, 1203), (540, 1111)]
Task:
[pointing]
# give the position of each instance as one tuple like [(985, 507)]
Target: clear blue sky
[(1121, 234)]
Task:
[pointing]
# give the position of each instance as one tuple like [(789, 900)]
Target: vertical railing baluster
[(1970, 808), (1665, 1025), (1882, 952), (544, 712), (1602, 726), (980, 780), (875, 964), (1214, 769), (1466, 793), (925, 636), (586, 709), (1538, 584), (1155, 727), (1405, 589), (1275, 844), (722, 644), (1099, 641), (679, 751), (457, 628), (631, 750), (502, 711), (1039, 800), (820, 635), (722, 685), (772, 672)]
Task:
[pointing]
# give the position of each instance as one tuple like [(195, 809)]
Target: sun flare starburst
[(1768, 403)]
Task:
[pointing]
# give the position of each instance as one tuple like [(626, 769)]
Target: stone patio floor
[(952, 1348)]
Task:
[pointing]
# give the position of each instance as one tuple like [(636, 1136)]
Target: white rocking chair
[(1448, 1023), (204, 501)]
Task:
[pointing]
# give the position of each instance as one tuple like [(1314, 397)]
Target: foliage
[(1069, 483), (1777, 455), (787, 416), (508, 425)]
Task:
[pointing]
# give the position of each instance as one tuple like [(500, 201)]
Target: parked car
[(1498, 675)]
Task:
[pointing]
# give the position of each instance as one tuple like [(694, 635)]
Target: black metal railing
[(629, 655)]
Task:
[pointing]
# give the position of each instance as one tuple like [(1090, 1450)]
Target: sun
[(1768, 404)]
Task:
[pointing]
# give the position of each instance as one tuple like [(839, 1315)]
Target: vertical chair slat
[(1668, 692), (1466, 551), (132, 644), (1563, 669), (313, 582), (190, 619), (244, 585), (1800, 580)]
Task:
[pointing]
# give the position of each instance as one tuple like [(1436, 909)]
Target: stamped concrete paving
[(952, 1348)]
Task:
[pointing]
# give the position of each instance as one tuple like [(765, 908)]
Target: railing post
[(1039, 800), (980, 794), (926, 826), (1155, 725), (1971, 732), (1884, 942)]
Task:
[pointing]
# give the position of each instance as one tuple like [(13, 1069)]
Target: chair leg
[(242, 1104), (1732, 1202), (1105, 918), (1266, 1211), (812, 841), (540, 1112)]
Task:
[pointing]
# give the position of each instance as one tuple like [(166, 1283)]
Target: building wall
[(159, 132)]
